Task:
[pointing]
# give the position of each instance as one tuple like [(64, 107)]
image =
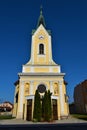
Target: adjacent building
[(80, 98), (6, 106), (41, 73)]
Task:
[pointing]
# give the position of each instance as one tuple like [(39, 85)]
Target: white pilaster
[(32, 69), (25, 113), (61, 97), (20, 101), (32, 50), (31, 88), (50, 49), (50, 69), (51, 87)]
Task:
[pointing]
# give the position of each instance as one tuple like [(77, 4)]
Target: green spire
[(41, 18)]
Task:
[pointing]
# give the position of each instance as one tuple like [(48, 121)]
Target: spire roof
[(41, 19)]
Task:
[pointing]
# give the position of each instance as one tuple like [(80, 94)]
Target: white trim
[(32, 58), (51, 46), (43, 55), (28, 81), (21, 100), (51, 87), (53, 65), (32, 69), (29, 97), (23, 69), (54, 97), (50, 69), (50, 50), (21, 95), (42, 74)]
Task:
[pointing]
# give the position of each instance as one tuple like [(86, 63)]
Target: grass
[(4, 117), (80, 116)]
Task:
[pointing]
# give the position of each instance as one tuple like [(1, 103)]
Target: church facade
[(41, 73)]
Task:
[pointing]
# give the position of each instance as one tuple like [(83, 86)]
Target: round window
[(41, 88)]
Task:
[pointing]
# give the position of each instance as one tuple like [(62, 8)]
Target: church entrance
[(29, 109), (55, 114)]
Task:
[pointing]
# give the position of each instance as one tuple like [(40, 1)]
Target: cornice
[(41, 74)]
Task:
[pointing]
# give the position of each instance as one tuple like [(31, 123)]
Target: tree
[(49, 106), (37, 107), (46, 106), (43, 108)]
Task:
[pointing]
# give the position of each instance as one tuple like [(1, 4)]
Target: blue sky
[(67, 19)]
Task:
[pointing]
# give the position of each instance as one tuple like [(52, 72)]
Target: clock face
[(41, 88), (41, 37)]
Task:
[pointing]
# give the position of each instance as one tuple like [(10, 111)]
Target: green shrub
[(2, 117), (37, 107)]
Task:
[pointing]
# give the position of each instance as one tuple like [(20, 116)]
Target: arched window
[(41, 49), (27, 88)]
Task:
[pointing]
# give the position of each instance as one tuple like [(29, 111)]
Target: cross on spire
[(41, 12), (41, 18)]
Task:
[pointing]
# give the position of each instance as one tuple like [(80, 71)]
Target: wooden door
[(29, 109), (55, 112), (23, 110)]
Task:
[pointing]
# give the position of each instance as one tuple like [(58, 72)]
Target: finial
[(41, 19), (41, 9)]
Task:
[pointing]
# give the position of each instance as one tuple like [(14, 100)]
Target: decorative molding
[(29, 97), (42, 74), (48, 65), (54, 97)]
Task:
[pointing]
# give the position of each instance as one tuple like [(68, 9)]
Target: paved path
[(17, 121)]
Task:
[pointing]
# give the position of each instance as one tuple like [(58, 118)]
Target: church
[(40, 73)]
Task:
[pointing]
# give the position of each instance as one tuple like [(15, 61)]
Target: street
[(67, 126)]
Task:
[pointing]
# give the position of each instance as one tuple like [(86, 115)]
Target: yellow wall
[(55, 69), (41, 69), (27, 69), (36, 42), (14, 113)]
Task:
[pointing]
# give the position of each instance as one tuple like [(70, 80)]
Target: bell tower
[(41, 47)]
